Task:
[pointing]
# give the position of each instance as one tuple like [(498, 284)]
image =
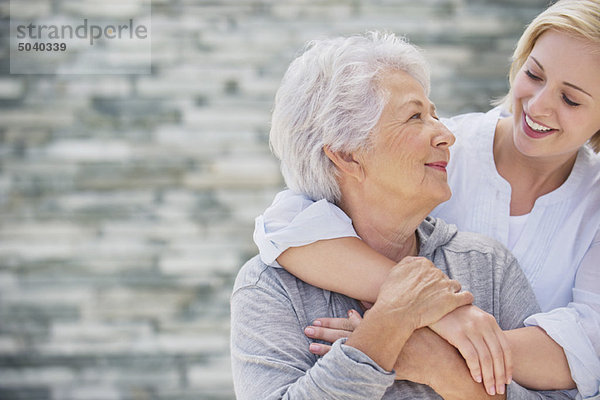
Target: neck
[(391, 233), (529, 177)]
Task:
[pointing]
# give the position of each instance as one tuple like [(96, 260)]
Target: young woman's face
[(556, 96)]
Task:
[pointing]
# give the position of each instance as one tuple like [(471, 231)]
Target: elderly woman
[(353, 124)]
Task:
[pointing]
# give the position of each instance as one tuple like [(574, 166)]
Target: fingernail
[(314, 347), (350, 312), (309, 331), (501, 390), (509, 380), (478, 379), (492, 391), (317, 323)]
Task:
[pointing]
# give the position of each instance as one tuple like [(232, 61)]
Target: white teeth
[(534, 126)]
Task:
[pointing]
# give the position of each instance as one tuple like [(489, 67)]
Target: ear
[(346, 163)]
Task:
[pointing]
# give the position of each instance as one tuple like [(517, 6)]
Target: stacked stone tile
[(127, 201)]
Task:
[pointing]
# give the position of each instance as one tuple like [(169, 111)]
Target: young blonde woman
[(526, 173)]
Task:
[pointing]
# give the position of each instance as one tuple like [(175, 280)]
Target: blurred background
[(127, 200)]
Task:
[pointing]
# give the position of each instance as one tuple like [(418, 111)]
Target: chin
[(447, 193), (527, 146), (441, 198)]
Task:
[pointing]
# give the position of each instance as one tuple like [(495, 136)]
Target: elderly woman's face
[(410, 147)]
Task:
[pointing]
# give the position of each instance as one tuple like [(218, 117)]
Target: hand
[(409, 365), (426, 358), (417, 292), (330, 330), (415, 288), (482, 344)]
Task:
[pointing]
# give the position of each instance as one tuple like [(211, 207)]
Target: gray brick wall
[(127, 201)]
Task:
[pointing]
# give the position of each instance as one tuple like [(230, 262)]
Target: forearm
[(345, 265), (458, 385), (455, 383), (539, 362), (428, 359), (452, 379)]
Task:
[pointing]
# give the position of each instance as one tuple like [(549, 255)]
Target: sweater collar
[(434, 233)]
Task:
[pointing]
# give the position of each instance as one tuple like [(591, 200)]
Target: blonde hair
[(579, 18)]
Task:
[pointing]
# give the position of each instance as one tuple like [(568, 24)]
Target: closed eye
[(532, 76), (569, 101)]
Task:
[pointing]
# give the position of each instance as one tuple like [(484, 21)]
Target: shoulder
[(438, 234), (485, 262), (463, 250), (589, 162), (256, 274), (267, 282), (582, 188), (476, 243)]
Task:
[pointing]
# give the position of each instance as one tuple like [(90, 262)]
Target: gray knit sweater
[(270, 309)]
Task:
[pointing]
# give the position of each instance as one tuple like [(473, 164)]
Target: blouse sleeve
[(576, 327), (295, 220)]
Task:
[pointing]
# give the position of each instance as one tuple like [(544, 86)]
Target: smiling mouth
[(534, 129), (439, 165), (535, 126)]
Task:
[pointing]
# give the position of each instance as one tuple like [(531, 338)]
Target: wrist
[(380, 337), (394, 317)]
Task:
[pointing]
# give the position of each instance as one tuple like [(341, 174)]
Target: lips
[(439, 165), (534, 129)]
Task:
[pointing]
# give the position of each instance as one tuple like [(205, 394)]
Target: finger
[(508, 358), (452, 301), (456, 300), (334, 323), (485, 363), (325, 334), (469, 353), (497, 361), (464, 298), (455, 285), (319, 349)]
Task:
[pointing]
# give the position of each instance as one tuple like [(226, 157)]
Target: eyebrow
[(565, 83), (418, 103)]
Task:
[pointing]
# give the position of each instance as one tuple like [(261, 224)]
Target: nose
[(442, 137), (540, 104)]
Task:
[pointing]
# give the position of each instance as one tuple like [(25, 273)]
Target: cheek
[(580, 125), (521, 87), (595, 128)]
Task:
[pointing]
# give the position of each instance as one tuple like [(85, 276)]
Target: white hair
[(331, 96)]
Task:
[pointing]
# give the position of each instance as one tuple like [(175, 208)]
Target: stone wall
[(127, 201)]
